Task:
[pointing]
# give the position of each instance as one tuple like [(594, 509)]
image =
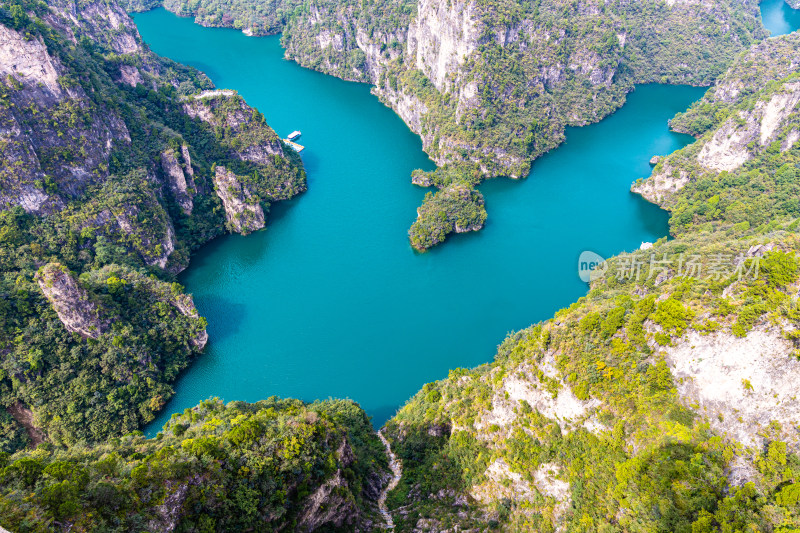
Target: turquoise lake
[(331, 301), (778, 17)]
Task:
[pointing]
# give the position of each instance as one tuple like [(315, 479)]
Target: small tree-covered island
[(666, 399)]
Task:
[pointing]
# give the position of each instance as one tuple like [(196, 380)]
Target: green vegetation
[(113, 226), (644, 451), (240, 467), (580, 423), (456, 208), (533, 69)]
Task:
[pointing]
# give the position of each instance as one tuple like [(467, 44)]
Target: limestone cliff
[(179, 177), (105, 171), (227, 112), (71, 302), (750, 113), (185, 305), (243, 212), (47, 161)]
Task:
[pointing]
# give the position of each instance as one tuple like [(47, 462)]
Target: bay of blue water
[(778, 17), (331, 301)]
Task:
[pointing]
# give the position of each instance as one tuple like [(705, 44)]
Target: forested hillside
[(664, 400), (270, 466), (116, 166)]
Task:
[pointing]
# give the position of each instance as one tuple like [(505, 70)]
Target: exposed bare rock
[(740, 471), (24, 417), (169, 512), (758, 250), (227, 112), (36, 85), (442, 37), (242, 211), (500, 483), (130, 75), (732, 144), (331, 504), (103, 22), (29, 62), (740, 384), (664, 183), (71, 302), (187, 161), (407, 106), (185, 304), (182, 189), (522, 385), (154, 248)]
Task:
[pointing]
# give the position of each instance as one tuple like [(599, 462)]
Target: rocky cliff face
[(441, 38), (117, 178), (493, 86), (227, 112), (179, 177), (751, 112), (71, 302), (48, 160), (242, 210), (185, 305)]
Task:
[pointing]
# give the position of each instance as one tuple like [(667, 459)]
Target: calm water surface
[(330, 300), (779, 18)]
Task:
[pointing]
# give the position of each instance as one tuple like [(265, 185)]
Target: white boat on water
[(294, 135)]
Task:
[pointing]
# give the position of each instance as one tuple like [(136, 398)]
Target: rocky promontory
[(71, 302), (243, 212)]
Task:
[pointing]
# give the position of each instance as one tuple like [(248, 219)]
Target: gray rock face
[(732, 144), (182, 188), (242, 211), (54, 140), (228, 112), (103, 22), (185, 304), (71, 302), (743, 384), (330, 505), (442, 37)]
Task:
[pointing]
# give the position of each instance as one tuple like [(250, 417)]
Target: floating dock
[(296, 147)]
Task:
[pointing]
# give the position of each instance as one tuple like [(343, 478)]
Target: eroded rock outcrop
[(228, 113), (243, 212), (185, 304), (734, 142), (182, 187), (42, 166), (442, 37), (71, 302), (741, 385), (753, 110)]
